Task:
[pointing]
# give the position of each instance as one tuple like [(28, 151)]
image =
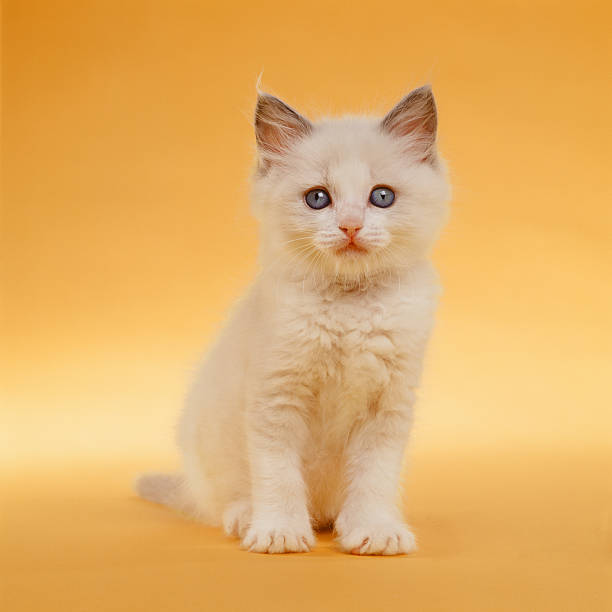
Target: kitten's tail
[(166, 489)]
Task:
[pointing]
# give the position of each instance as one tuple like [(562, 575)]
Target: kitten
[(300, 414)]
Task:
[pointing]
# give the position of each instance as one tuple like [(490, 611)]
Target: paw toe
[(275, 540), (236, 518), (386, 539)]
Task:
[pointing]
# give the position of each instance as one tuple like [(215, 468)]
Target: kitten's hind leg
[(237, 518)]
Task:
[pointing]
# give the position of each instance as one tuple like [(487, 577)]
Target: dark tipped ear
[(415, 120), (277, 126)]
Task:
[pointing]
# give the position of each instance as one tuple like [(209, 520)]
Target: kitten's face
[(349, 198)]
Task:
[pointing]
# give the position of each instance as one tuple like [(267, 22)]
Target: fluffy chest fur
[(349, 349)]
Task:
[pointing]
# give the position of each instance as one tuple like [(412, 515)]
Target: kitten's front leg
[(370, 522), (276, 434)]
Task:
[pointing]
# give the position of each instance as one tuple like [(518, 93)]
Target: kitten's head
[(348, 198)]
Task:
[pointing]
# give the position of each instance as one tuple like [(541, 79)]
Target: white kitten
[(300, 414)]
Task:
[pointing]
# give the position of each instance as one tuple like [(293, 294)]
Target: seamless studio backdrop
[(126, 149)]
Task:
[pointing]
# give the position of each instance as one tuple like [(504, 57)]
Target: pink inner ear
[(272, 138), (415, 119), (277, 125), (408, 125)]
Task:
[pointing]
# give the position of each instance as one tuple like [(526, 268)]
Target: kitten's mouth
[(351, 248)]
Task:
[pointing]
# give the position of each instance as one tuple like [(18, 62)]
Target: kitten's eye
[(382, 197), (317, 198)]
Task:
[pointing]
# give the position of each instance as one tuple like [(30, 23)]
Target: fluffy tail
[(166, 489)]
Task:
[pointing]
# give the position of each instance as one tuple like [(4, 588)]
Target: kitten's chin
[(353, 264), (347, 265)]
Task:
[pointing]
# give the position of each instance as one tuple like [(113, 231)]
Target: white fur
[(299, 415)]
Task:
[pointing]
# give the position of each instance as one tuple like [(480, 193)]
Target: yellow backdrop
[(127, 147)]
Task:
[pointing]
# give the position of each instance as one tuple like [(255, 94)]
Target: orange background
[(127, 147)]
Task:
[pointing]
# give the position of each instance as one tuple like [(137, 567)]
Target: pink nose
[(350, 229)]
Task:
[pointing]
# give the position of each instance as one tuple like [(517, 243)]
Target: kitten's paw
[(278, 538), (237, 518), (378, 538)]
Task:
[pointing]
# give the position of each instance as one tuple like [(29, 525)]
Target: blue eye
[(382, 197), (317, 198)]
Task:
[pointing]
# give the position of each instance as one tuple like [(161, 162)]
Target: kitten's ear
[(415, 120), (277, 126)]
